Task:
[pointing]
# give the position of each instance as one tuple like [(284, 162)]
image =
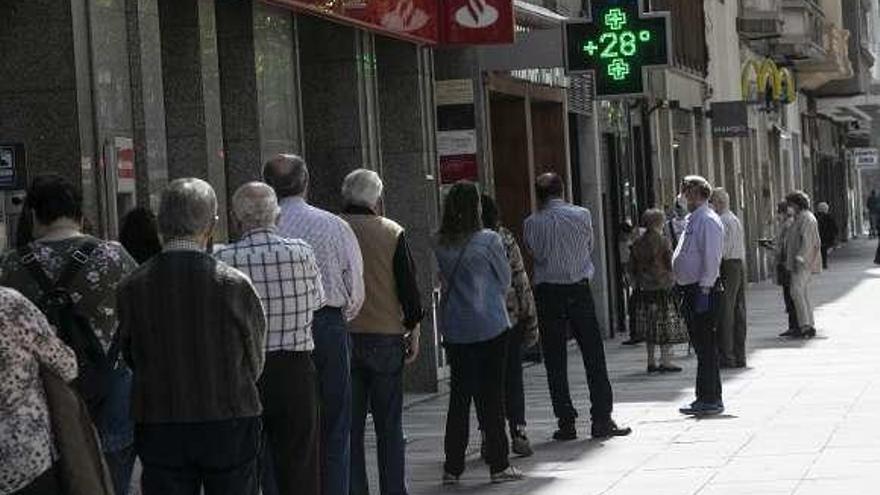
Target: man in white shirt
[(697, 266), (342, 273), (732, 313)]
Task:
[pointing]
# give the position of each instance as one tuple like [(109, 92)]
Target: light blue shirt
[(474, 304), (560, 238), (697, 258)]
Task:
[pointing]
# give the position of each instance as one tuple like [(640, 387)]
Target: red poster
[(454, 168), (477, 22), (411, 20)]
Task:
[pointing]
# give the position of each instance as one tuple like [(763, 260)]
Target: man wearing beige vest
[(384, 336)]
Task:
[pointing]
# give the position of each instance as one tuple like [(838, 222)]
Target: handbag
[(81, 466)]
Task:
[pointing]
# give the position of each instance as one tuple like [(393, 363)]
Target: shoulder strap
[(77, 262), (451, 282), (30, 261)]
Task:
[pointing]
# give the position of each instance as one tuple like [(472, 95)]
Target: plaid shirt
[(286, 276)]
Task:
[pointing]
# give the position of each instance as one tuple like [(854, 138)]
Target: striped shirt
[(697, 258), (560, 238), (336, 249), (286, 276)]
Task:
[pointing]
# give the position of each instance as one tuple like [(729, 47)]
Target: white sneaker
[(509, 474)]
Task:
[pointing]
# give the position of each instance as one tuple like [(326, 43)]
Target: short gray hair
[(287, 174), (823, 207), (362, 188), (188, 208), (720, 199), (255, 205)]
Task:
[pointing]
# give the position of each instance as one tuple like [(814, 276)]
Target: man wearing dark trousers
[(192, 328), (732, 324), (697, 265), (560, 238)]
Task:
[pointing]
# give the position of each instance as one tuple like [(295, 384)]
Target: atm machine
[(13, 182)]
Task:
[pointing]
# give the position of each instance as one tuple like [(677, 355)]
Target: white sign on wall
[(866, 157)]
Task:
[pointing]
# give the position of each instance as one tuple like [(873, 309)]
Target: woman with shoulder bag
[(475, 274), (27, 345)]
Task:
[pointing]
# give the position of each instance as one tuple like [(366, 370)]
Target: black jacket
[(192, 330)]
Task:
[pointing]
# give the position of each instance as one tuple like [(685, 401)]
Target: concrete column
[(338, 74), (593, 187), (147, 101), (193, 122), (411, 194), (238, 93)]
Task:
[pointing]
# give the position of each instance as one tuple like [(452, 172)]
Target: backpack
[(96, 368)]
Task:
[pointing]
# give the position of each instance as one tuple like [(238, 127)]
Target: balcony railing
[(803, 35), (760, 19)]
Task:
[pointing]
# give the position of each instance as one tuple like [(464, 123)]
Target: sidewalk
[(803, 418)]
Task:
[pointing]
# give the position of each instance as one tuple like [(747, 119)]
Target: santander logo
[(476, 14), (405, 17)]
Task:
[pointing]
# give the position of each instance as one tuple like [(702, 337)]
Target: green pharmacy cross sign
[(616, 43)]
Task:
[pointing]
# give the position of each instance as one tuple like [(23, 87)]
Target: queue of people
[(252, 367)]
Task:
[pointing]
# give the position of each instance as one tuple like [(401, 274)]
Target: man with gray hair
[(732, 310), (342, 274), (285, 274), (385, 334), (192, 330)]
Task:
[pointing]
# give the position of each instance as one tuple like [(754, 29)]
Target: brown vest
[(378, 238)]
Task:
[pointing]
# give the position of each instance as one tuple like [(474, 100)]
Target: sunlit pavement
[(804, 418)]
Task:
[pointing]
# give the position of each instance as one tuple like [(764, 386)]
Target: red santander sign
[(477, 22), (454, 22)]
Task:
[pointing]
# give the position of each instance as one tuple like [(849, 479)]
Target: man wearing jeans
[(342, 273), (560, 238), (697, 265), (384, 336)]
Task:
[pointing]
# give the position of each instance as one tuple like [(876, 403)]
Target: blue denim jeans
[(331, 358), (377, 385), (116, 430)]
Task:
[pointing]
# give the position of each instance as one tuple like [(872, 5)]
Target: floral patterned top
[(520, 300), (26, 343), (93, 290)]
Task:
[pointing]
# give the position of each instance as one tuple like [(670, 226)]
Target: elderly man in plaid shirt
[(286, 276)]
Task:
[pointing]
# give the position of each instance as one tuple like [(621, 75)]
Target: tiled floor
[(804, 418)]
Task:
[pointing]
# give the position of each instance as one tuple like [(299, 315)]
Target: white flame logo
[(405, 17), (476, 14)]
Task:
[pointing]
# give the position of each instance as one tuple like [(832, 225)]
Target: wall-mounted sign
[(866, 157), (763, 78), (477, 22), (124, 164), (13, 169), (618, 43), (456, 130), (730, 119), (411, 20)]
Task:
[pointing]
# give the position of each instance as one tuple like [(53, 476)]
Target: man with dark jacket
[(192, 330), (828, 231)]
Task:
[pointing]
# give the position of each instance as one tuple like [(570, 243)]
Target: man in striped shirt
[(560, 239), (342, 274), (285, 275)]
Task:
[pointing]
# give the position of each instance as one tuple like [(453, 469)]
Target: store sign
[(411, 20), (477, 22), (866, 157), (456, 130), (762, 78), (730, 119), (13, 171), (618, 43)]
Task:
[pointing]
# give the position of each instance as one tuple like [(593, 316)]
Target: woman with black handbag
[(27, 345), (473, 316)]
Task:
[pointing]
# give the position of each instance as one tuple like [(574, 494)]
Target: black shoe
[(652, 368), (671, 368), (608, 429), (740, 364), (791, 332), (725, 364), (566, 432), (632, 342), (808, 333)]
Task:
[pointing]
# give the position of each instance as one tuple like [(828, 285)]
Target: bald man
[(286, 276)]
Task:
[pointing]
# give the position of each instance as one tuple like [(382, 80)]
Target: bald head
[(255, 206), (287, 174), (549, 186)]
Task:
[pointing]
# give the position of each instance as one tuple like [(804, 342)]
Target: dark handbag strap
[(77, 262), (447, 289)]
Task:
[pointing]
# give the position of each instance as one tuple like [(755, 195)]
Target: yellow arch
[(750, 67), (767, 72)]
